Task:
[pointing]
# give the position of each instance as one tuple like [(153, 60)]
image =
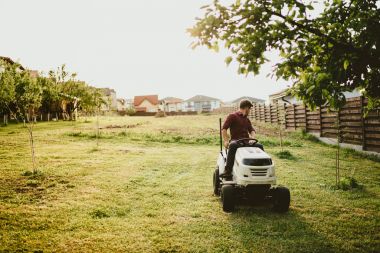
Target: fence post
[(320, 121), (294, 117), (285, 123), (270, 113), (277, 113), (259, 112), (263, 108), (364, 147), (305, 118), (254, 111)]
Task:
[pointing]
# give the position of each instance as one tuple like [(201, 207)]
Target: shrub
[(130, 112), (99, 214), (27, 173), (160, 114), (285, 155), (348, 183)]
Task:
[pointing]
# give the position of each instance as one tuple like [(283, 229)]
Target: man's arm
[(251, 130), (227, 124), (226, 138)]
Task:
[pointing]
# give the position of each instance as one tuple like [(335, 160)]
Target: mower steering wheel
[(243, 140)]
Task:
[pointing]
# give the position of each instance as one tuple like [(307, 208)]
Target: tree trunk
[(31, 141), (97, 129)]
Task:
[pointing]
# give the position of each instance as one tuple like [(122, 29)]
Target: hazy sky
[(135, 47)]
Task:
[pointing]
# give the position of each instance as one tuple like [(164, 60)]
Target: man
[(240, 127)]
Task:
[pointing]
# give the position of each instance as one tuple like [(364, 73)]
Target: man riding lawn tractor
[(244, 171), (240, 128)]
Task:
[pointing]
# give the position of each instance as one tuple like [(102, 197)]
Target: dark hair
[(245, 103)]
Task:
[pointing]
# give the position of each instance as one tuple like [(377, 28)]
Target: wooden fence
[(348, 123)]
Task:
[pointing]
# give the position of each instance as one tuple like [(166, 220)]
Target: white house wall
[(200, 106), (149, 106)]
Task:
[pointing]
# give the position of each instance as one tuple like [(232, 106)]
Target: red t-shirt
[(240, 126)]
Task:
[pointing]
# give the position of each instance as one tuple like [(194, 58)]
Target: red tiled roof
[(172, 100), (10, 61), (33, 73), (153, 99)]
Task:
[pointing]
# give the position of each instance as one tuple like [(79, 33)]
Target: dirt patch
[(122, 126)]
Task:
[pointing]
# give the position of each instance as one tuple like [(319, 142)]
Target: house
[(10, 61), (147, 103), (129, 103), (283, 97), (236, 102), (124, 104), (121, 104), (109, 95), (33, 73), (171, 104), (201, 103)]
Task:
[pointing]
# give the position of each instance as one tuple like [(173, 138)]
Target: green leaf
[(215, 47), (310, 89), (345, 64), (228, 60)]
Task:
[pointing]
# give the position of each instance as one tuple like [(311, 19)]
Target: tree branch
[(372, 59)]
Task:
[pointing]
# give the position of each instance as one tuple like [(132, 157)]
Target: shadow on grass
[(260, 227)]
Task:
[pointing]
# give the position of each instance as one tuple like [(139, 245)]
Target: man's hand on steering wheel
[(250, 141)]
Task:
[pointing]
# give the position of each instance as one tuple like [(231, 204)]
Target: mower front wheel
[(228, 198)]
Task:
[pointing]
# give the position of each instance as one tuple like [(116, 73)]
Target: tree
[(66, 89), (23, 100), (7, 88), (50, 94), (324, 54), (91, 100)]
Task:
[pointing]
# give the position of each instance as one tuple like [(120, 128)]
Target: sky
[(135, 47)]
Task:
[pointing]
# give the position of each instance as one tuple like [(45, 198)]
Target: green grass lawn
[(147, 187)]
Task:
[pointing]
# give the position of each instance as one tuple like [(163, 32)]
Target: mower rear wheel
[(216, 182), (281, 199), (228, 198)]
